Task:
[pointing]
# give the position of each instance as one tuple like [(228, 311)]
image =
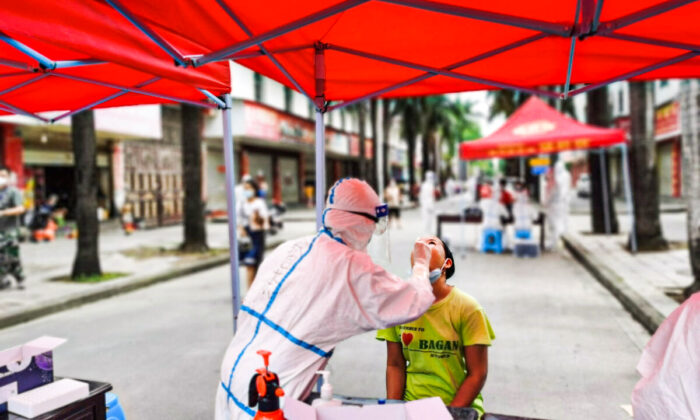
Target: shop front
[(667, 133), (276, 148)]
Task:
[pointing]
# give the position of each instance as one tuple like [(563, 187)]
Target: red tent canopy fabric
[(385, 47), (537, 128), (94, 56)]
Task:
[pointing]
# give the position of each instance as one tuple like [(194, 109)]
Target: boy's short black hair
[(448, 254)]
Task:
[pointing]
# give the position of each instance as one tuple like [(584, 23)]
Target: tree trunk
[(386, 130), (644, 174), (374, 175), (87, 258), (598, 114), (362, 127), (194, 222), (411, 132), (690, 106)]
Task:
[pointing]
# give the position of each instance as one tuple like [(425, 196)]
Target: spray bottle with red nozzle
[(265, 392)]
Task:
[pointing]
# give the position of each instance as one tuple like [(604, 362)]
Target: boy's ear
[(448, 263)]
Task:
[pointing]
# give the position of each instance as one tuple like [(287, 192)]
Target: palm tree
[(359, 111), (410, 110), (195, 239), (374, 130), (87, 258), (598, 113), (690, 95), (644, 173)]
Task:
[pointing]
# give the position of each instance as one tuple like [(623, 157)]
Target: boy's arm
[(395, 371), (477, 361)]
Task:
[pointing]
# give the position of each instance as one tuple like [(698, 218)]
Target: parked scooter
[(276, 222)]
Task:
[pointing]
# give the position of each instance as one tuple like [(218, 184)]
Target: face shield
[(379, 247)]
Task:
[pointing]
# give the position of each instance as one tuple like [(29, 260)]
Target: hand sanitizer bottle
[(326, 399)]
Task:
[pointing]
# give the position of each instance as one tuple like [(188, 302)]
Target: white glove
[(421, 257)]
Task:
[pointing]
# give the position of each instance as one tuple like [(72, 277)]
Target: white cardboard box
[(48, 397), (429, 408)]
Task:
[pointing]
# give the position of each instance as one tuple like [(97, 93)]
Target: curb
[(108, 290), (640, 309)]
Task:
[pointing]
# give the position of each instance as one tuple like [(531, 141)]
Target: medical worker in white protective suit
[(670, 368), (523, 213), (426, 199), (312, 293), (558, 204)]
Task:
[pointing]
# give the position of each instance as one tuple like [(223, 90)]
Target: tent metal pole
[(101, 101), (16, 64), (213, 98), (23, 84), (17, 110), (134, 90), (63, 64), (428, 75), (657, 9), (42, 59), (157, 39), (652, 41), (223, 53), (604, 187), (572, 52), (320, 168), (629, 198), (229, 163), (637, 72), (259, 52), (448, 73), (265, 51), (321, 104), (532, 24)]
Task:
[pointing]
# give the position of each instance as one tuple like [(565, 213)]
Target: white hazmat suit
[(558, 204), (312, 293), (670, 368), (426, 199)]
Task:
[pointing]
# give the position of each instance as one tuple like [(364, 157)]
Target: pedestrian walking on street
[(426, 199), (11, 208), (254, 222), (558, 198)]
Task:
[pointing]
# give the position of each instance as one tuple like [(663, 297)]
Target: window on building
[(288, 99), (342, 119), (258, 86), (663, 83), (171, 123), (620, 101), (311, 109)]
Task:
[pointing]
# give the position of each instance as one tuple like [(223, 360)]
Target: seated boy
[(444, 353)]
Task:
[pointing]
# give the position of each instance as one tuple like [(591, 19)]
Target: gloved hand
[(421, 254)]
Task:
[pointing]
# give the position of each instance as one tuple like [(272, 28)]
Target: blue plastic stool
[(114, 409), (523, 234), (492, 240)]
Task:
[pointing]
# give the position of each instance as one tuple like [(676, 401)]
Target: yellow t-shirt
[(433, 346)]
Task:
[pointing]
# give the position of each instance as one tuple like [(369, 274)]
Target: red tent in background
[(536, 128)]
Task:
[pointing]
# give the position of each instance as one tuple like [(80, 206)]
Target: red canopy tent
[(352, 50), (536, 128)]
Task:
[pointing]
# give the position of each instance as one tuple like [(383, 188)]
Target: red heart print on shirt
[(406, 338)]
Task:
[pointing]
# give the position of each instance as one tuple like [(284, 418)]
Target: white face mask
[(3, 181), (249, 193), (435, 274)]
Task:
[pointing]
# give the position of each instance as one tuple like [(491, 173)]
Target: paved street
[(565, 348)]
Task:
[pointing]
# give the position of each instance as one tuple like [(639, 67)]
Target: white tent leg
[(320, 168), (231, 209), (628, 197)]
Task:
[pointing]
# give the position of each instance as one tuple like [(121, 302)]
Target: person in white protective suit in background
[(426, 199), (670, 368), (558, 205), (523, 213), (473, 186), (493, 213), (312, 293)]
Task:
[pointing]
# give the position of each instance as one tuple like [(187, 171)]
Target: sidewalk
[(136, 256), (639, 281)]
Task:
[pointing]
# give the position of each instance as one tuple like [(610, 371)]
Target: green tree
[(643, 168), (87, 258), (690, 103), (195, 239)]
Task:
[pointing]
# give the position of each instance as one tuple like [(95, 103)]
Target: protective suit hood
[(346, 198)]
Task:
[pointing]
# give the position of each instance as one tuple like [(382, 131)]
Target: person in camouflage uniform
[(11, 208)]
